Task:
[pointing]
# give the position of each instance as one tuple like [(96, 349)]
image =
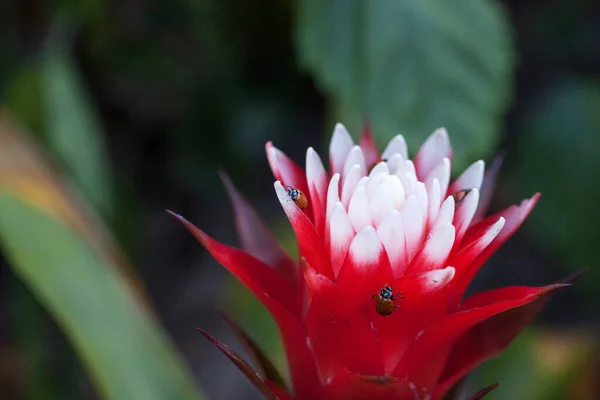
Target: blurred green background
[(122, 109)]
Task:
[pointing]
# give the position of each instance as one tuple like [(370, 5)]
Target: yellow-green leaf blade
[(124, 349)]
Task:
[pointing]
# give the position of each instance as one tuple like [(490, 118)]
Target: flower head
[(374, 308)]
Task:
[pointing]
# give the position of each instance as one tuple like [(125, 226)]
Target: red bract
[(378, 221)]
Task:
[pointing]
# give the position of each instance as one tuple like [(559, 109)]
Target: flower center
[(368, 199), (403, 210)]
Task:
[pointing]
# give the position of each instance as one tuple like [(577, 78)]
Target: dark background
[(185, 88)]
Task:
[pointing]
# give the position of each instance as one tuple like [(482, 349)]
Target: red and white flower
[(375, 221)]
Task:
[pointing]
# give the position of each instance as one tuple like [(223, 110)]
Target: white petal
[(487, 187), (284, 169), (363, 183), (374, 182), (381, 203), (446, 214), (435, 250), (350, 181), (340, 234), (441, 172), (393, 162), (366, 247), (359, 210), (438, 278), (407, 177), (332, 198), (423, 198), (274, 155), (465, 212), (380, 167), (289, 206), (414, 226), (391, 233), (410, 166), (436, 147), (339, 147), (396, 191), (355, 157), (316, 175), (396, 146), (489, 235), (435, 200), (471, 178)]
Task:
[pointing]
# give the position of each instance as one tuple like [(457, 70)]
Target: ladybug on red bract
[(385, 300)]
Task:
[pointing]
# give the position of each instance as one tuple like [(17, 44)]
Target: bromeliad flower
[(374, 307)]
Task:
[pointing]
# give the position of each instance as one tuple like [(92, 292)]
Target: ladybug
[(460, 195), (298, 196), (384, 300)]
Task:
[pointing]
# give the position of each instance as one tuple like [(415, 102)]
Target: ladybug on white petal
[(298, 196)]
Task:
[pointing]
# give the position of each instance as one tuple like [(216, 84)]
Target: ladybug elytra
[(385, 300), (298, 196)]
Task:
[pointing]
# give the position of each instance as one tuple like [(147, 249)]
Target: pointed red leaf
[(514, 217), (335, 325), (264, 282), (300, 357), (423, 362), (266, 368), (366, 268), (508, 293), (475, 244), (255, 236), (492, 336), (310, 243), (573, 276), (348, 385), (277, 295), (480, 394), (242, 365), (423, 301)]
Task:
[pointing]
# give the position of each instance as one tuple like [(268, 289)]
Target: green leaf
[(73, 128), (122, 345), (412, 66)]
